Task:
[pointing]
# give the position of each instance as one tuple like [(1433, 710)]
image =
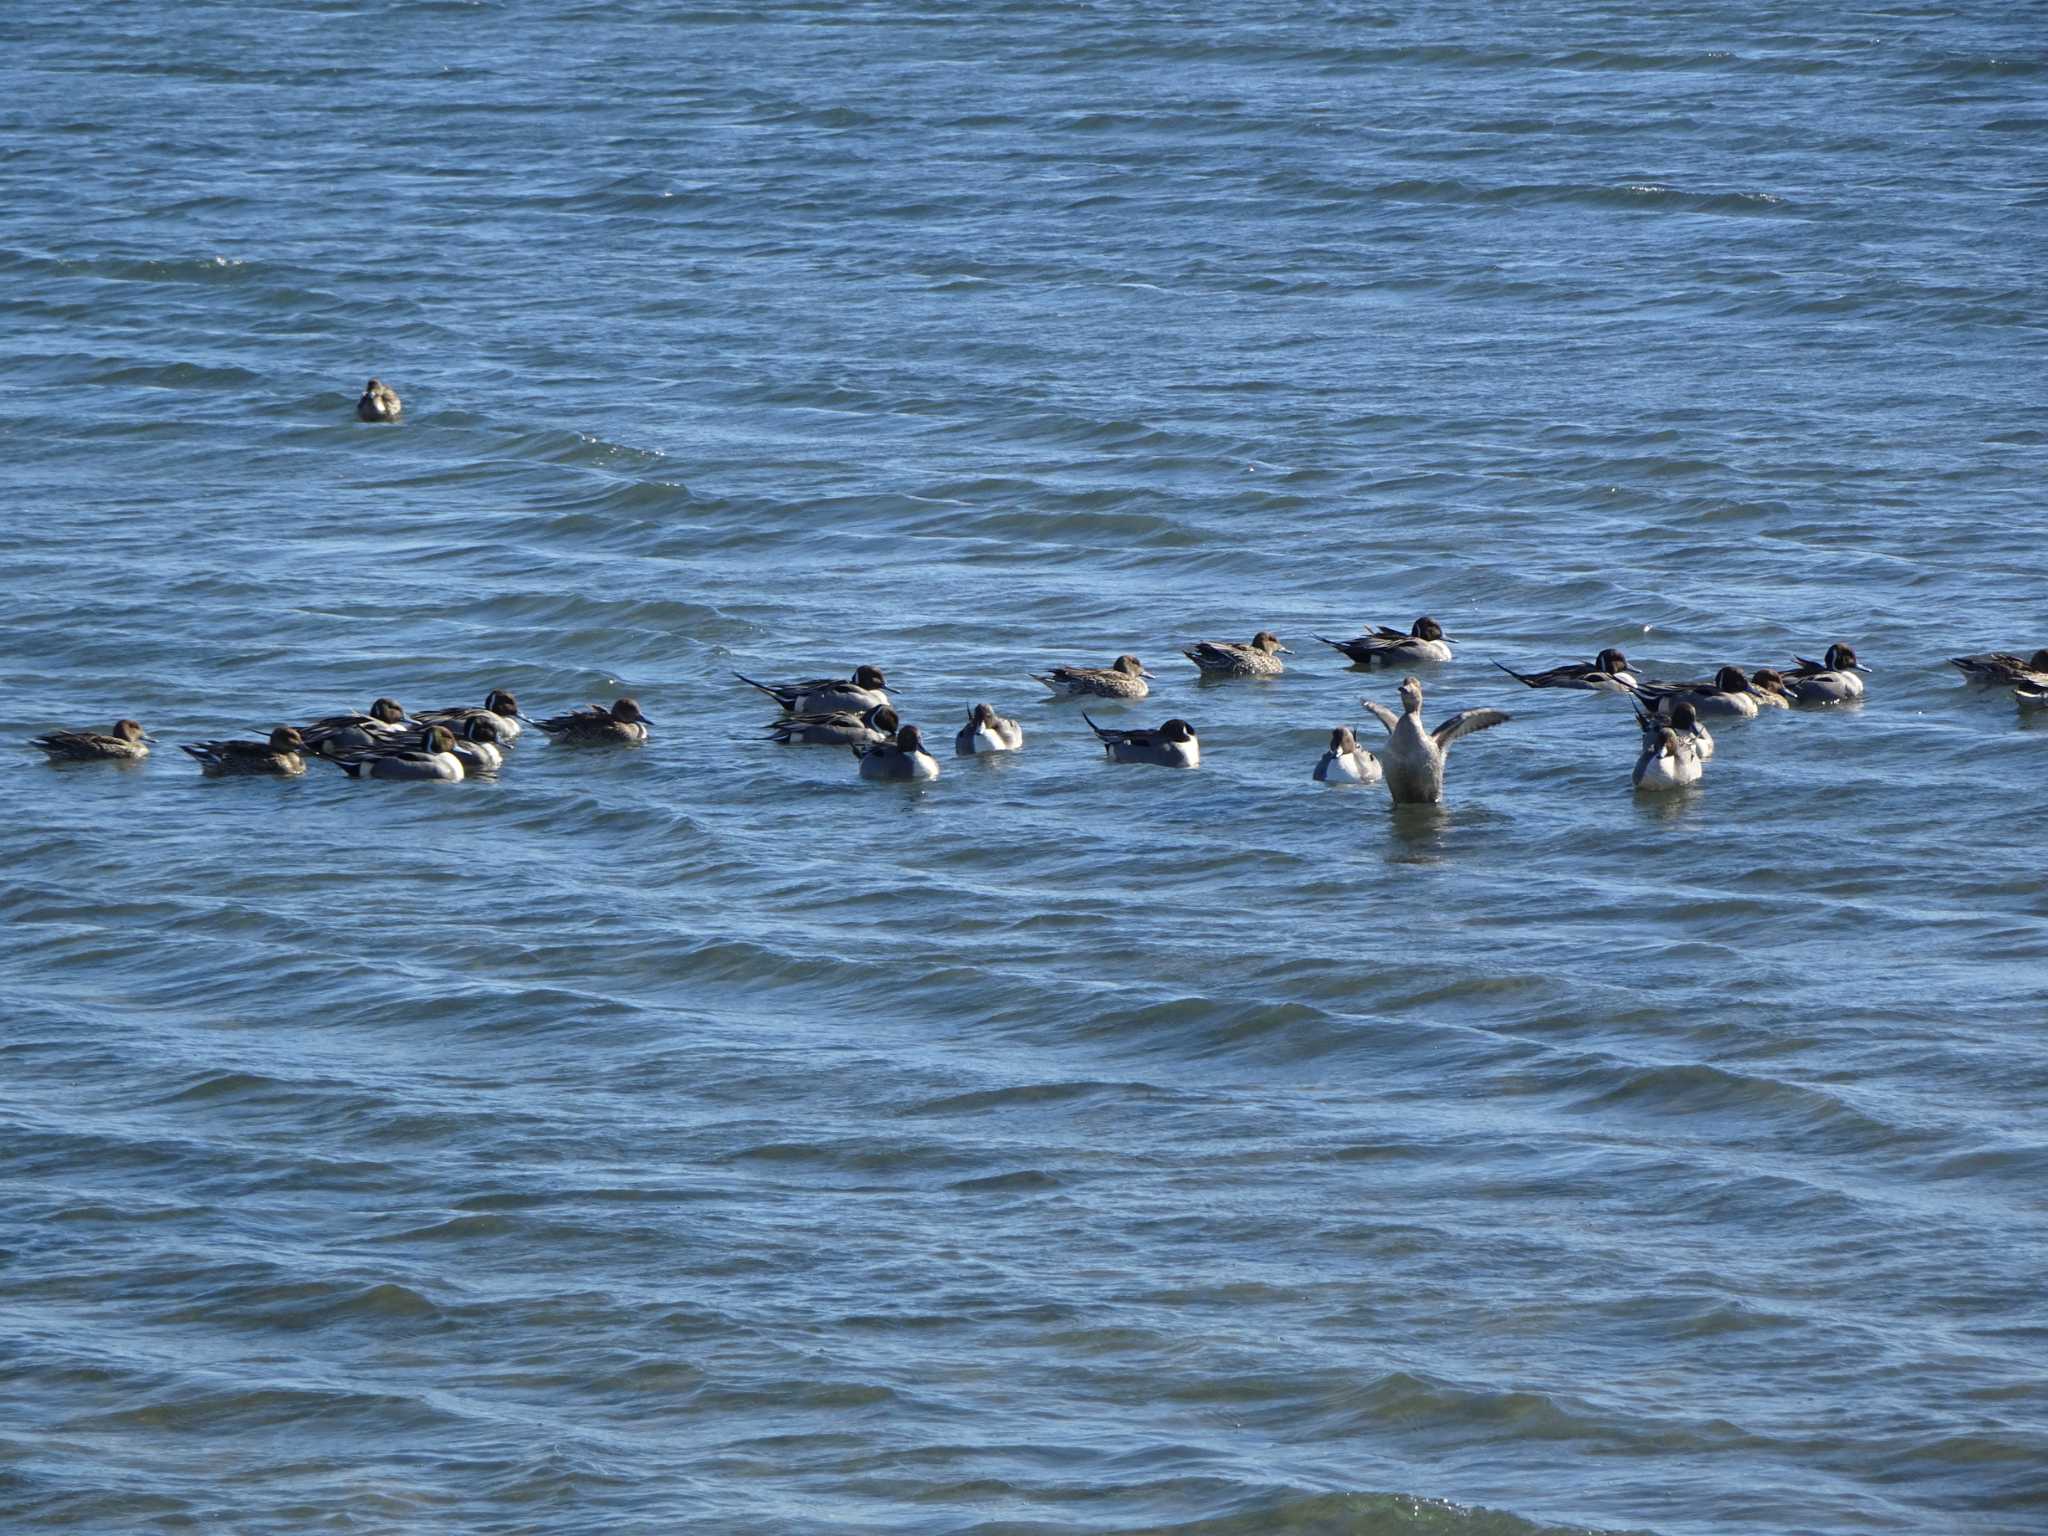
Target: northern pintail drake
[(2004, 668), (283, 754), (1383, 647), (384, 724), (1173, 745), (837, 728), (823, 695), (1669, 760), (1606, 673), (1223, 658), (596, 726), (901, 760), (379, 403), (1413, 760), (987, 731), (1831, 680), (499, 706), (1685, 720), (434, 760), (477, 739), (1346, 762), (125, 743), (1123, 678), (1728, 696)]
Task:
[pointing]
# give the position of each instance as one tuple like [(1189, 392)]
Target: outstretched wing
[(1466, 721), (1381, 713)]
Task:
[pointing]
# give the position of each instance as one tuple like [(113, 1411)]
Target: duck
[(1346, 762), (2004, 668), (2031, 697), (866, 689), (434, 760), (1831, 680), (384, 724), (1606, 673), (380, 402), (1124, 678), (1389, 647), (499, 705), (1172, 745), (1413, 760), (1222, 658), (283, 754), (1668, 759), (837, 728), (1767, 685), (1728, 696), (901, 760), (125, 743), (1685, 720), (986, 731), (596, 726), (478, 742)]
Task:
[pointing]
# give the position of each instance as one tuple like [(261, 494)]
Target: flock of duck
[(855, 712)]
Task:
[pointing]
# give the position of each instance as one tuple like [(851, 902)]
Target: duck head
[(1684, 716), (1732, 680), (881, 718), (1176, 731), (627, 711), (984, 714), (1611, 661), (910, 739), (128, 730), (1842, 658), (502, 703), (440, 739), (1130, 666), (286, 738), (1411, 695), (869, 677), (1342, 742), (390, 711), (1265, 640), (1427, 628)]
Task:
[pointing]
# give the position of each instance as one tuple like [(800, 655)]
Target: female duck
[(282, 755), (433, 761), (1606, 673), (2004, 668), (822, 695), (379, 403), (1414, 757), (596, 726), (1173, 745), (1123, 678), (986, 731), (1389, 647), (1221, 658), (1346, 762), (901, 760), (125, 743)]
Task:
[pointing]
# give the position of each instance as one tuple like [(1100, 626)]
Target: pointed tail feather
[(1520, 677)]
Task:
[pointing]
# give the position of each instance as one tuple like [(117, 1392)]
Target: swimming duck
[(987, 731), (499, 705), (1173, 745), (596, 726), (1685, 720), (1668, 759), (125, 743), (434, 759), (837, 727), (384, 724), (477, 740), (379, 403), (1346, 762), (282, 754), (1767, 686), (2002, 667), (1606, 673), (1389, 647), (1414, 757), (1729, 695), (1222, 658), (1123, 678), (902, 759), (823, 695), (1828, 681)]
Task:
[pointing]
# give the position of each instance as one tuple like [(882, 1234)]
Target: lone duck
[(1173, 745), (434, 760), (837, 728), (900, 760), (499, 705), (1729, 695), (384, 724), (283, 754), (1346, 762), (1830, 680), (823, 695), (1414, 758), (596, 726), (1669, 760), (986, 731), (1606, 673), (2004, 668), (125, 743), (1123, 678), (1389, 647), (1222, 658), (380, 402)]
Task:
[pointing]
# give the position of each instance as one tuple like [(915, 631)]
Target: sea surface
[(696, 1138)]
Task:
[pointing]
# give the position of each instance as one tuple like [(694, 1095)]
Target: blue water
[(696, 1138)]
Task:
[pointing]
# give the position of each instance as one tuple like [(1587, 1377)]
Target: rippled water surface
[(695, 1137)]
